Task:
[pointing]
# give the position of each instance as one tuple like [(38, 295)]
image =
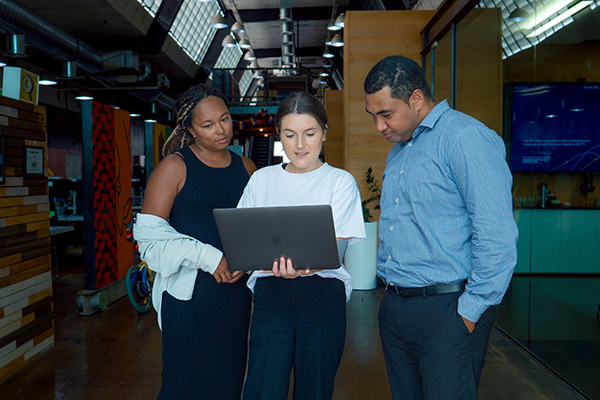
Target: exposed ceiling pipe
[(16, 19), (60, 44)]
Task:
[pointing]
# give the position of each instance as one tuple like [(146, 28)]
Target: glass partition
[(537, 84)]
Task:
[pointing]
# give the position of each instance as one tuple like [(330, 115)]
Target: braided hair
[(184, 112)]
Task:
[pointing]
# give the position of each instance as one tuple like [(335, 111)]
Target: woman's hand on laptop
[(285, 269)]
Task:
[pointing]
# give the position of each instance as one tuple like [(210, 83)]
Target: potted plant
[(361, 257)]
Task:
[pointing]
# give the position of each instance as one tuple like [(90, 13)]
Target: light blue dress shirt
[(446, 211)]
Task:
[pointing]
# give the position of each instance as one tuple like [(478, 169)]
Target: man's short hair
[(401, 74)]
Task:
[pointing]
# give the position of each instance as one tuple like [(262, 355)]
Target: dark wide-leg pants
[(297, 324), (428, 350), (205, 341)]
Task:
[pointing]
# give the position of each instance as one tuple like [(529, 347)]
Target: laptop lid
[(253, 238)]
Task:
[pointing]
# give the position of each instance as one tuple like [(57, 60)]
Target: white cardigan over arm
[(174, 257)]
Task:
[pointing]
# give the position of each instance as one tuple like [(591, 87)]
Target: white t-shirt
[(273, 186)]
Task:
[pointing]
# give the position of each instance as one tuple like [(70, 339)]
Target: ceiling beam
[(159, 29), (298, 14), (301, 52)]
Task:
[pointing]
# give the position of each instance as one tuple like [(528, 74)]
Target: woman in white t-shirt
[(300, 324)]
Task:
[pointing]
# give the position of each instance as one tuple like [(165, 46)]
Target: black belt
[(427, 291)]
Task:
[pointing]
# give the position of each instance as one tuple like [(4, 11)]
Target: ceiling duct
[(16, 19)]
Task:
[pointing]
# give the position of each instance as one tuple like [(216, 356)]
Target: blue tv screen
[(555, 127)]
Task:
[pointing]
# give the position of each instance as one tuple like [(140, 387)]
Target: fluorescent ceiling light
[(576, 8)]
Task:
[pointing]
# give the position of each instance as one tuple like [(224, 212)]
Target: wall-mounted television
[(554, 127)]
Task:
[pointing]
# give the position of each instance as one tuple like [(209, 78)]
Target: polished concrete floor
[(117, 355)]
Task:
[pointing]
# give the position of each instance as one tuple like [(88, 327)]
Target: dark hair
[(401, 74), (184, 114), (302, 103)]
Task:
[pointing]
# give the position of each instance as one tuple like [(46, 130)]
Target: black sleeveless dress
[(205, 339)]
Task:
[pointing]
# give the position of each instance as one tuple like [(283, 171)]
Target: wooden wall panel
[(479, 67), (334, 144), (26, 319), (369, 37)]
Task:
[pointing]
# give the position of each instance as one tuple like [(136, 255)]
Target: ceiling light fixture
[(324, 73), (245, 44), (518, 15), (332, 26), (576, 8), (327, 53), (249, 56), (337, 41), (330, 35), (339, 21), (229, 41), (84, 95), (69, 69), (218, 22), (47, 79), (287, 39), (237, 27), (134, 114), (2, 64)]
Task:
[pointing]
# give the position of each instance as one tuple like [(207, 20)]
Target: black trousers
[(205, 341), (428, 350), (300, 325)]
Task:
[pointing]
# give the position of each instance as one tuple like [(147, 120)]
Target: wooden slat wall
[(479, 67), (26, 318), (334, 145), (370, 36)]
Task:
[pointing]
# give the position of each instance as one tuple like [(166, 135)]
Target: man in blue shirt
[(448, 236)]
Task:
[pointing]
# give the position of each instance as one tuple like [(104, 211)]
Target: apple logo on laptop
[(276, 240)]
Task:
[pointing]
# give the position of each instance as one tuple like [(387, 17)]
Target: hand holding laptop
[(286, 269)]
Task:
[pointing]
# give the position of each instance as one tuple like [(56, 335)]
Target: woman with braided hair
[(203, 308)]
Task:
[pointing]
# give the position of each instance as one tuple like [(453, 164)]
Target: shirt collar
[(432, 117)]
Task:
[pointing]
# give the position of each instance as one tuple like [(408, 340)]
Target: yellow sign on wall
[(20, 84)]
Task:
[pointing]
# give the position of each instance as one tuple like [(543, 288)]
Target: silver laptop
[(253, 238)]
